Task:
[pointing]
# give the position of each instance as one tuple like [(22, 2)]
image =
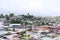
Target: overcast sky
[(34, 7)]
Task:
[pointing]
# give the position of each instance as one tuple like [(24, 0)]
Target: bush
[(7, 29)]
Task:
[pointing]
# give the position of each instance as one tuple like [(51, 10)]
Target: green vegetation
[(18, 20), (7, 29), (11, 15), (9, 33), (27, 37), (1, 16), (50, 36), (24, 19), (7, 17), (44, 33), (21, 33)]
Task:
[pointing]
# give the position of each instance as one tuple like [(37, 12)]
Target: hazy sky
[(35, 7)]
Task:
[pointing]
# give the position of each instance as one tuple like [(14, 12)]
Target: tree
[(1, 16), (7, 29), (43, 23), (13, 21), (7, 17), (21, 33), (26, 23), (11, 15), (18, 20)]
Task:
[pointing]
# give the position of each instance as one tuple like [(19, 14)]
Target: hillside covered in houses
[(29, 27)]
